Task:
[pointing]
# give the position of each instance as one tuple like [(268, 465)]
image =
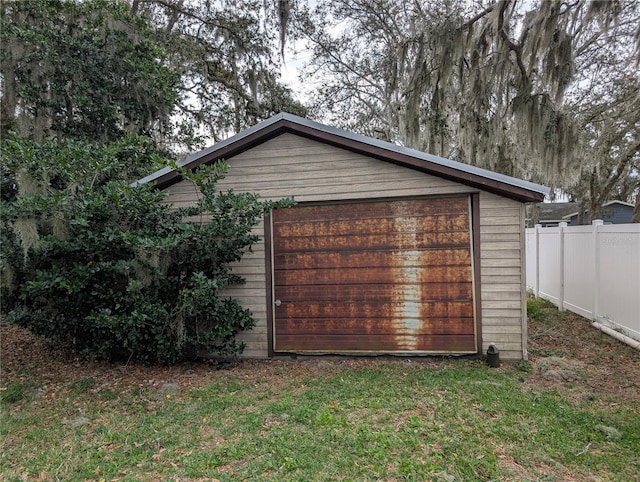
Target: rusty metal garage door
[(374, 277)]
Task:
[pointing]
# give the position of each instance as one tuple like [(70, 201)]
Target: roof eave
[(282, 123)]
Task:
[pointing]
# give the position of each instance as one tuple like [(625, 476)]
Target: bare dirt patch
[(568, 353), (31, 361)]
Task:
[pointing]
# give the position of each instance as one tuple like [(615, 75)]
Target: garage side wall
[(290, 165), (502, 275)]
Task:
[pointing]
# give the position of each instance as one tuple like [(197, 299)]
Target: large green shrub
[(110, 270)]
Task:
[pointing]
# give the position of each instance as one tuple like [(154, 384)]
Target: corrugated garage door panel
[(388, 276)]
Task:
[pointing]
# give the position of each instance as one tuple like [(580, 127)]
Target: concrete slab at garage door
[(389, 276)]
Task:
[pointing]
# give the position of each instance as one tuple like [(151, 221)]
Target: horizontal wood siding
[(290, 165), (502, 275), (252, 296)]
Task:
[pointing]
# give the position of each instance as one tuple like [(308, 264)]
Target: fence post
[(596, 269), (536, 286), (561, 226)]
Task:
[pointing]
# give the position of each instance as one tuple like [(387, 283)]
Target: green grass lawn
[(319, 419)]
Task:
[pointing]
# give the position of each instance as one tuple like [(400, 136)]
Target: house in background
[(549, 214), (612, 212), (389, 251)]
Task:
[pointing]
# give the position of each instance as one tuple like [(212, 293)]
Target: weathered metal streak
[(375, 344), (382, 241), (408, 314), (373, 210), (370, 258), (391, 276), (378, 292), (373, 325), (369, 310), (401, 224), (382, 274)]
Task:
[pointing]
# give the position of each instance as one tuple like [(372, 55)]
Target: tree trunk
[(581, 213), (636, 210), (535, 214), (597, 201)]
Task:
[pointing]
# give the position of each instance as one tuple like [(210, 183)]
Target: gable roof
[(420, 161)]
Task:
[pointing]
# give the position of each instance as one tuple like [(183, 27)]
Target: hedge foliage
[(108, 268)]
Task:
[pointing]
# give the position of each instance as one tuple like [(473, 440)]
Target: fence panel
[(578, 272), (619, 283), (550, 261), (531, 260), (591, 270)]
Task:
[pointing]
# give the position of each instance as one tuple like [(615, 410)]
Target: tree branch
[(606, 190), (517, 49), (473, 20)]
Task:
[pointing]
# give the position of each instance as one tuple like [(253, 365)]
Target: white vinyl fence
[(593, 271)]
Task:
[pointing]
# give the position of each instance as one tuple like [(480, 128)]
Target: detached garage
[(388, 250)]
